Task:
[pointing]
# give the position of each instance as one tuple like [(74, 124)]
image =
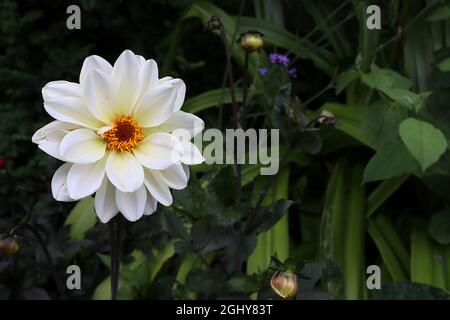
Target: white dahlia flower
[(116, 131)]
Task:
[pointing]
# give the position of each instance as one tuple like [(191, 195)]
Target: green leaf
[(173, 225), (425, 142), (269, 216), (82, 218), (137, 272), (209, 99), (244, 283), (348, 120), (444, 65), (105, 259), (392, 160), (103, 290), (345, 78), (408, 291), (381, 121), (439, 227), (379, 78), (390, 246), (160, 258), (439, 12), (406, 98)]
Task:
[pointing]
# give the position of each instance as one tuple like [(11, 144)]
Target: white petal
[(100, 95), (159, 151), (59, 187), (155, 106), (157, 187), (191, 154), (58, 89), (140, 61), (49, 137), (82, 146), (126, 77), (71, 109), (186, 171), (148, 76), (124, 171), (175, 176), (132, 204), (41, 135), (92, 63), (150, 205), (105, 201), (183, 120), (85, 179), (180, 87)]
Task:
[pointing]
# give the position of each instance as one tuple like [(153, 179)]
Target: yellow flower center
[(124, 135)]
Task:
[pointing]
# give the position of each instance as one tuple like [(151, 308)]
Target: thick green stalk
[(354, 272)]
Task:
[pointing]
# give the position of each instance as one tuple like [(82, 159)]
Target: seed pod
[(251, 41), (285, 284), (9, 246)]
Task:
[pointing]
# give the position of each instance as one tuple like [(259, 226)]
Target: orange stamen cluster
[(124, 135)]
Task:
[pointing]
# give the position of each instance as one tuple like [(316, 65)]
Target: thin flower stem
[(234, 106), (244, 91), (43, 245), (230, 77), (115, 235)]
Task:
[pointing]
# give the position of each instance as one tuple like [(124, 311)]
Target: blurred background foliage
[(364, 151)]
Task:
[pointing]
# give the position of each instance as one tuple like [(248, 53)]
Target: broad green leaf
[(444, 65), (406, 98), (392, 160), (439, 227), (379, 78), (209, 99), (425, 142), (381, 121), (82, 218)]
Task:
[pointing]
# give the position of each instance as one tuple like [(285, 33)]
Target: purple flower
[(439, 258), (283, 60), (293, 72), (263, 71), (279, 58), (273, 58)]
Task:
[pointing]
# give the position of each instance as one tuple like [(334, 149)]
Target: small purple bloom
[(293, 72), (273, 58), (263, 71), (439, 258), (283, 60)]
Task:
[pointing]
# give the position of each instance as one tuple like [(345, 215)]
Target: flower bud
[(2, 163), (285, 284), (9, 246), (251, 41)]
